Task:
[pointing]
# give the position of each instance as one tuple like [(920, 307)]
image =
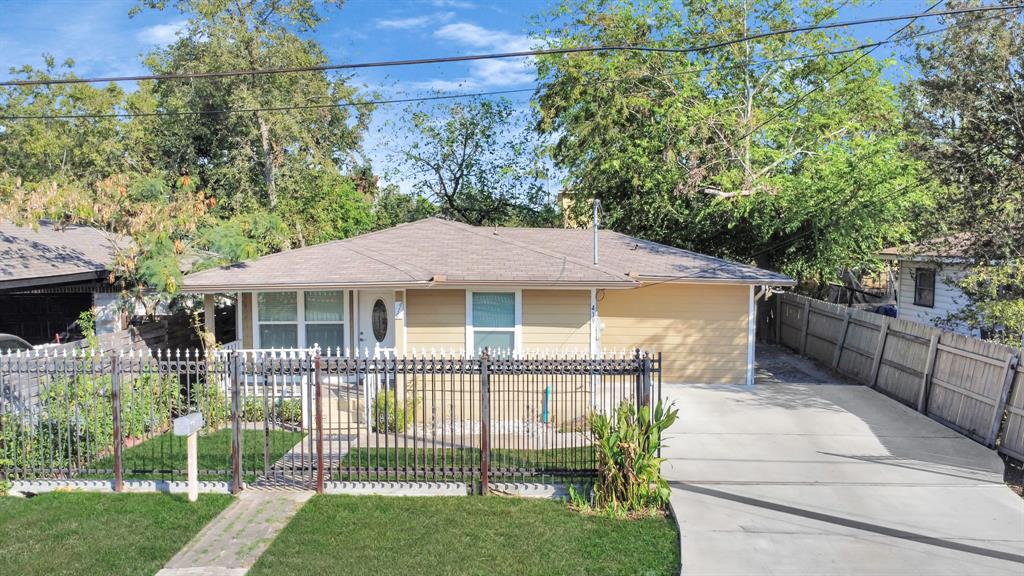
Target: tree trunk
[(268, 161)]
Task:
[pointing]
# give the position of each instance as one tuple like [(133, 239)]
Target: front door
[(376, 322)]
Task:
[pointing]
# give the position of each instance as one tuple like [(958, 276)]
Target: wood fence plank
[(806, 322), (879, 351), (1004, 395), (841, 341), (926, 381)]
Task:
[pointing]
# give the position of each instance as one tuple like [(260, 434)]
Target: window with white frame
[(277, 314), (493, 320), (301, 319), (324, 315)]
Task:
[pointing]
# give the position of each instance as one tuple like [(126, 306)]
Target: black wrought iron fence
[(306, 418)]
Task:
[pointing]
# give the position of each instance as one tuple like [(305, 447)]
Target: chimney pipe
[(597, 206)]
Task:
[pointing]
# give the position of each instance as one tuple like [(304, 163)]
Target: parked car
[(11, 343)]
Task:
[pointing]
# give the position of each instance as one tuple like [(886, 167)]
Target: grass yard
[(524, 465), (79, 533), (163, 457), (473, 535)]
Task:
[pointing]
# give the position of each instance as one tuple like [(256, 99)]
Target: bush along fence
[(310, 418), (970, 385)]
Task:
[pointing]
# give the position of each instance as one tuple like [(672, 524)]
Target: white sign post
[(190, 425)]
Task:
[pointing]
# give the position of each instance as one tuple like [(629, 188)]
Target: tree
[(478, 161), (391, 207), (966, 111), (192, 183), (80, 150), (764, 151), (259, 160)]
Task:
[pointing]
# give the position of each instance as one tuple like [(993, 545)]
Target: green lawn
[(163, 457), (77, 533), (472, 535), (526, 465)]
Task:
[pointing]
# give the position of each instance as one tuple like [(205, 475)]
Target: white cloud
[(453, 4), (413, 21), (488, 73), (161, 34), (480, 37)]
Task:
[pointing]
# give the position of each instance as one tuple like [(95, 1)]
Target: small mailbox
[(189, 424)]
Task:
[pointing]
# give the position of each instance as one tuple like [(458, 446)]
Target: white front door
[(376, 322)]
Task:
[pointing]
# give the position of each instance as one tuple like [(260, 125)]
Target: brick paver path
[(232, 542)]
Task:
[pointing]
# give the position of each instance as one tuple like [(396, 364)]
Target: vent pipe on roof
[(597, 207)]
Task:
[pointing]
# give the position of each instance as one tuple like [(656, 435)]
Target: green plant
[(210, 401), (87, 322), (290, 411), (252, 410), (390, 415), (629, 480), (5, 484)]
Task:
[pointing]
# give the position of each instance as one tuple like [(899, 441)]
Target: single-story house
[(445, 287), (50, 275), (926, 279)]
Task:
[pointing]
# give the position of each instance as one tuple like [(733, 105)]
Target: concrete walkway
[(833, 480), (232, 542)]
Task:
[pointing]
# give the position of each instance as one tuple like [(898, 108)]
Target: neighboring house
[(444, 287), (51, 275), (927, 274)]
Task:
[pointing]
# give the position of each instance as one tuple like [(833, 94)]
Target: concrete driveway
[(833, 479)]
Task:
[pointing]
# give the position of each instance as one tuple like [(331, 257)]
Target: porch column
[(210, 316), (400, 337)]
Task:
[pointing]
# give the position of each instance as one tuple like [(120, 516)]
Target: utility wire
[(870, 45), (501, 55), (264, 109), (793, 103)]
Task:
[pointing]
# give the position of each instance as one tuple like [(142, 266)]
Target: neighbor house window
[(324, 318), (924, 287), (493, 318), (301, 319), (278, 317)]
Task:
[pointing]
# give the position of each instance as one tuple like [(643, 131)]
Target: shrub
[(252, 410), (210, 401), (629, 480), (290, 411), (389, 415)]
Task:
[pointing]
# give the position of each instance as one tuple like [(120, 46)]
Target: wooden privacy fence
[(970, 385)]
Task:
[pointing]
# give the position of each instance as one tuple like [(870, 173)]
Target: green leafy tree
[(478, 161), (966, 111), (392, 207), (79, 150), (764, 151), (274, 160)]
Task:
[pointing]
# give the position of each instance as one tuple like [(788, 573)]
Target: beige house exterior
[(440, 287)]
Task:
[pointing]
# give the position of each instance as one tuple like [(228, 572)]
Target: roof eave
[(742, 281), (200, 288)]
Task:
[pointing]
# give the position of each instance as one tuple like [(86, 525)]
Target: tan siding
[(436, 319), (246, 311), (702, 330), (556, 320)]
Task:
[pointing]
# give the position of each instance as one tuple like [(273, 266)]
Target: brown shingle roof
[(435, 250), (50, 255), (955, 246), (643, 259)]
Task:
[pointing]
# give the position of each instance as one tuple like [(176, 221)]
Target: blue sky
[(103, 40)]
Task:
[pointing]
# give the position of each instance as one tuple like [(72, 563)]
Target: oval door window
[(380, 320)]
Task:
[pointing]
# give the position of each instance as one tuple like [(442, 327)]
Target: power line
[(870, 45), (825, 82), (502, 55), (348, 104)]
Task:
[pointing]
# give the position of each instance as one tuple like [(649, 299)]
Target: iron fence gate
[(305, 418)]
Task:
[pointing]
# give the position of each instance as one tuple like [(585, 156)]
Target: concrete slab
[(833, 479)]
